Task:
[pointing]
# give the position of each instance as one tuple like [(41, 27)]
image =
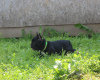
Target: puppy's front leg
[(40, 54)]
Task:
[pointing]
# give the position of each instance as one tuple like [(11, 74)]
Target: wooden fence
[(18, 14)]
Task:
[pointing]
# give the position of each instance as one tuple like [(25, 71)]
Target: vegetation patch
[(19, 62)]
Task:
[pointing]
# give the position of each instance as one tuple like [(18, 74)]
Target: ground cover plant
[(19, 62)]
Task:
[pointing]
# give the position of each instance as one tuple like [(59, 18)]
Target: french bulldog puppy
[(40, 44)]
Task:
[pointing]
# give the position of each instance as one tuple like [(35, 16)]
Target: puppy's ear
[(37, 35), (40, 37)]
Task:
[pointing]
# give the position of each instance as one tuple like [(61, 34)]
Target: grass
[(19, 62)]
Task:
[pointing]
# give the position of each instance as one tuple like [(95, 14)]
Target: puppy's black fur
[(52, 47)]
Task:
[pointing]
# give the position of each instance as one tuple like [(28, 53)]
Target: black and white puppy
[(40, 44)]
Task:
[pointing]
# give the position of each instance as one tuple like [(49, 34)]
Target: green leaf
[(40, 29), (80, 26)]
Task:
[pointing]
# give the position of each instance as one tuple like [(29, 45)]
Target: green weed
[(50, 32), (26, 35), (19, 62), (80, 26)]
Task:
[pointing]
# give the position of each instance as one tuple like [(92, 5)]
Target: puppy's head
[(36, 42)]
